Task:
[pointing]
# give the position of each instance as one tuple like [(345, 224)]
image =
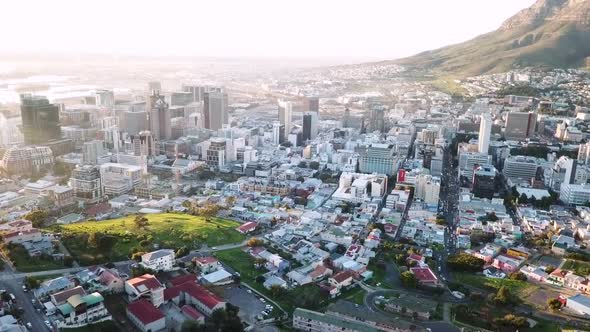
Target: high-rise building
[(564, 171), (154, 86), (346, 118), (216, 153), (484, 182), (135, 122), (377, 118), (429, 136), (85, 182), (91, 151), (520, 167), (575, 194), (197, 92), (25, 160), (276, 132), (160, 119), (286, 115), (485, 131), (468, 161), (215, 112), (143, 144), (40, 119), (105, 98), (520, 125), (584, 154), (181, 98), (310, 125), (379, 158), (311, 104), (10, 123)]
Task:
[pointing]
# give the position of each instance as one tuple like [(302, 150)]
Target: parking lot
[(249, 303)]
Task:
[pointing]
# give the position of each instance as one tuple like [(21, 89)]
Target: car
[(29, 326), (262, 300), (259, 317), (213, 248), (249, 291), (265, 313), (25, 289), (48, 324), (33, 301)]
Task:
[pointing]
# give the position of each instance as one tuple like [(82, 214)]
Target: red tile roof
[(558, 273), (97, 209), (201, 294), (256, 250), (423, 274), (107, 277), (19, 223), (183, 279), (146, 280), (192, 312), (144, 311), (205, 260), (342, 276), (247, 227), (170, 293), (18, 233), (415, 257)]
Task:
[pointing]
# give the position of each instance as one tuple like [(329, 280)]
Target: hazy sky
[(296, 28)]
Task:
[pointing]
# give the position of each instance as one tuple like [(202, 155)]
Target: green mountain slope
[(551, 33)]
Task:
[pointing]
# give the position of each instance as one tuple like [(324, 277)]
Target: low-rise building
[(145, 316), (79, 311), (147, 287), (159, 260)]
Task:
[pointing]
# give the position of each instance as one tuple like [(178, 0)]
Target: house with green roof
[(80, 311)]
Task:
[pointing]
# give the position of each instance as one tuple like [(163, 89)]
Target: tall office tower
[(276, 132), (215, 113), (143, 144), (311, 104), (216, 153), (520, 125), (429, 136), (105, 98), (563, 172), (92, 151), (160, 119), (484, 183), (10, 133), (40, 119), (134, 122), (197, 92), (377, 118), (85, 181), (346, 118), (310, 125), (154, 86), (485, 131), (584, 153), (181, 98), (286, 115)]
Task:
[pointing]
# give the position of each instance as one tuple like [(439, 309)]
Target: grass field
[(167, 230), (24, 263), (579, 267), (516, 287)]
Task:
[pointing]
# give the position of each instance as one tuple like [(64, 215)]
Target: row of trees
[(465, 263)]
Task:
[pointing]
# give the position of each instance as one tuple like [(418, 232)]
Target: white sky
[(272, 28)]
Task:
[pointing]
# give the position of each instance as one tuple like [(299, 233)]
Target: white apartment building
[(575, 194), (520, 167), (159, 260)]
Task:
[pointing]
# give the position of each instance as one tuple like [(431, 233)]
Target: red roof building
[(145, 286), (192, 313), (247, 227), (424, 275), (145, 316), (183, 279), (196, 295)]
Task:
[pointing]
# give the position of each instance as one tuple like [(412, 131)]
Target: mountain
[(550, 33)]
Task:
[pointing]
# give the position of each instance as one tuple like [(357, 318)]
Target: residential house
[(207, 264), (557, 277), (145, 316), (51, 286), (60, 298), (247, 228), (341, 280), (507, 264), (79, 311), (159, 260), (147, 287), (424, 275)]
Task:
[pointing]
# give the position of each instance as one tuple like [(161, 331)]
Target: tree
[(302, 164), (523, 199), (549, 269), (140, 221), (255, 242), (517, 276), (191, 326), (68, 261), (182, 251), (314, 165), (554, 304), (465, 262), (503, 296), (32, 283), (408, 279), (37, 217), (510, 320), (277, 290), (260, 279), (137, 256), (230, 201)]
